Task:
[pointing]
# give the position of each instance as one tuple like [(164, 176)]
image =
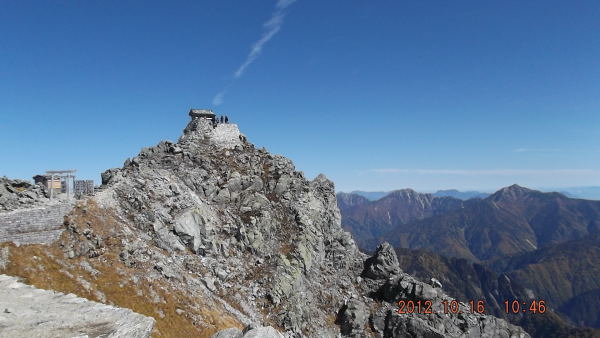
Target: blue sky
[(378, 95)]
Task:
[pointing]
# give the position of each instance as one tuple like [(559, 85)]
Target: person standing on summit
[(226, 119)]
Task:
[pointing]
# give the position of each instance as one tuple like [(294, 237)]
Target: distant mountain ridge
[(585, 192), (369, 221), (513, 220), (463, 195)]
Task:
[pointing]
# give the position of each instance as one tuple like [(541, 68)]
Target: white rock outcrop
[(26, 311), (226, 135)]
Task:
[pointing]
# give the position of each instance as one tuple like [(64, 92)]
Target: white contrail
[(218, 99), (270, 28)]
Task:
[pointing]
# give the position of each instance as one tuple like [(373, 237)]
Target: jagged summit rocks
[(235, 235), (223, 135)]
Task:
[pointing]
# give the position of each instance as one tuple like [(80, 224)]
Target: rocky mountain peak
[(233, 235), (349, 199), (513, 192), (403, 194), (267, 233)]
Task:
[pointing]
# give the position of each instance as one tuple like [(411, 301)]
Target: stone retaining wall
[(34, 225)]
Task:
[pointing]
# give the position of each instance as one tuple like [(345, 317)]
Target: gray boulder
[(233, 332), (15, 194), (107, 175), (249, 332), (263, 332), (383, 264), (353, 318)]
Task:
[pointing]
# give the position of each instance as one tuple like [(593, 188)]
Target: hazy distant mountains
[(516, 242), (463, 195), (370, 195), (589, 193)]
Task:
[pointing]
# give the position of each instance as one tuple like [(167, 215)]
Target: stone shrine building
[(202, 114)]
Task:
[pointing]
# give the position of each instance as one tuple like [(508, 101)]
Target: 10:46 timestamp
[(533, 306)]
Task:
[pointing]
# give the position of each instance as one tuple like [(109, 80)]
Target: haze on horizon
[(436, 95)]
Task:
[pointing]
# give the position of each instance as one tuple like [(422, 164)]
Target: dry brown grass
[(287, 249), (266, 174), (44, 267)]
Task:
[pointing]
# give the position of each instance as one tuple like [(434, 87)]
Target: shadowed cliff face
[(210, 232)]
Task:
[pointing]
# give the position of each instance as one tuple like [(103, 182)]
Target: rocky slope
[(210, 233)]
